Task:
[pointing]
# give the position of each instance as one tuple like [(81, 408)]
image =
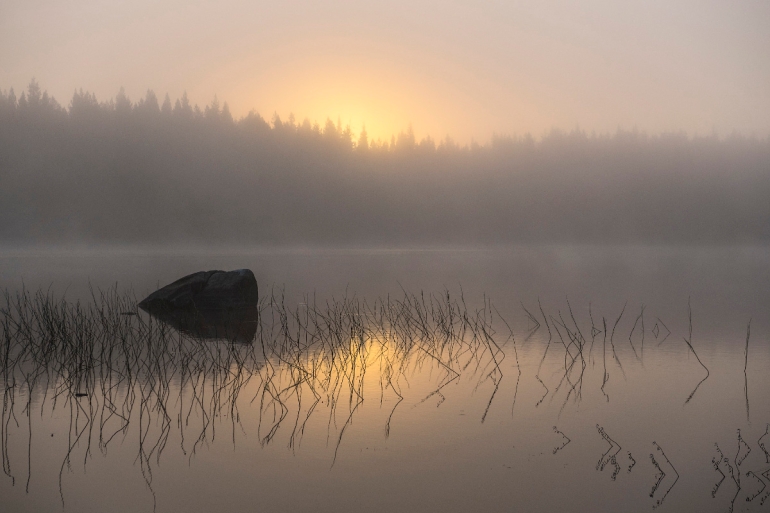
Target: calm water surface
[(532, 403)]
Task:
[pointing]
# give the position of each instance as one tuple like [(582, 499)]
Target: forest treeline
[(169, 172)]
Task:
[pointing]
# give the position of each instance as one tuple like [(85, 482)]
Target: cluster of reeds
[(732, 468), (116, 369), (564, 331), (578, 350)]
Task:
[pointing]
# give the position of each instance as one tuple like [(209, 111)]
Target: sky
[(467, 69)]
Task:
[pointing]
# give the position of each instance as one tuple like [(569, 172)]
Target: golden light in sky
[(465, 69), (387, 99), (356, 99)]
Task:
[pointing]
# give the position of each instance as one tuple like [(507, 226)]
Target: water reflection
[(286, 371), (233, 325), (188, 372)]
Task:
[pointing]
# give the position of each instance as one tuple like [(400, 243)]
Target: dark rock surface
[(206, 290), (209, 305)]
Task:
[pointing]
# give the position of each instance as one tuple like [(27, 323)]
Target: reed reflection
[(123, 375)]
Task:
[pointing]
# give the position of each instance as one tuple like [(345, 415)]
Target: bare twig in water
[(610, 456), (612, 335), (632, 460), (594, 331), (545, 353), (606, 376), (688, 341), (532, 319), (660, 501), (745, 371), (715, 462), (566, 440), (631, 334), (656, 330), (762, 444)]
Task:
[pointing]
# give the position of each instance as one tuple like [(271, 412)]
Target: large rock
[(206, 290), (209, 305)]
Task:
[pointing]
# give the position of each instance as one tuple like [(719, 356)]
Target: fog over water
[(553, 377), (503, 256)]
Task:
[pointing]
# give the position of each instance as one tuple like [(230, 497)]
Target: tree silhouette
[(119, 171)]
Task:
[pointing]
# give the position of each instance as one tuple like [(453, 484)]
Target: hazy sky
[(464, 68)]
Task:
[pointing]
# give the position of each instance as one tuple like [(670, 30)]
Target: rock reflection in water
[(233, 325)]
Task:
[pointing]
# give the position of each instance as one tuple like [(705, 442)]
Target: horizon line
[(276, 121)]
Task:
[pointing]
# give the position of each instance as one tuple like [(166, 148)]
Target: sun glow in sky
[(460, 68), (357, 98)]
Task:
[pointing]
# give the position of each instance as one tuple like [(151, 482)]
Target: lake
[(522, 378)]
